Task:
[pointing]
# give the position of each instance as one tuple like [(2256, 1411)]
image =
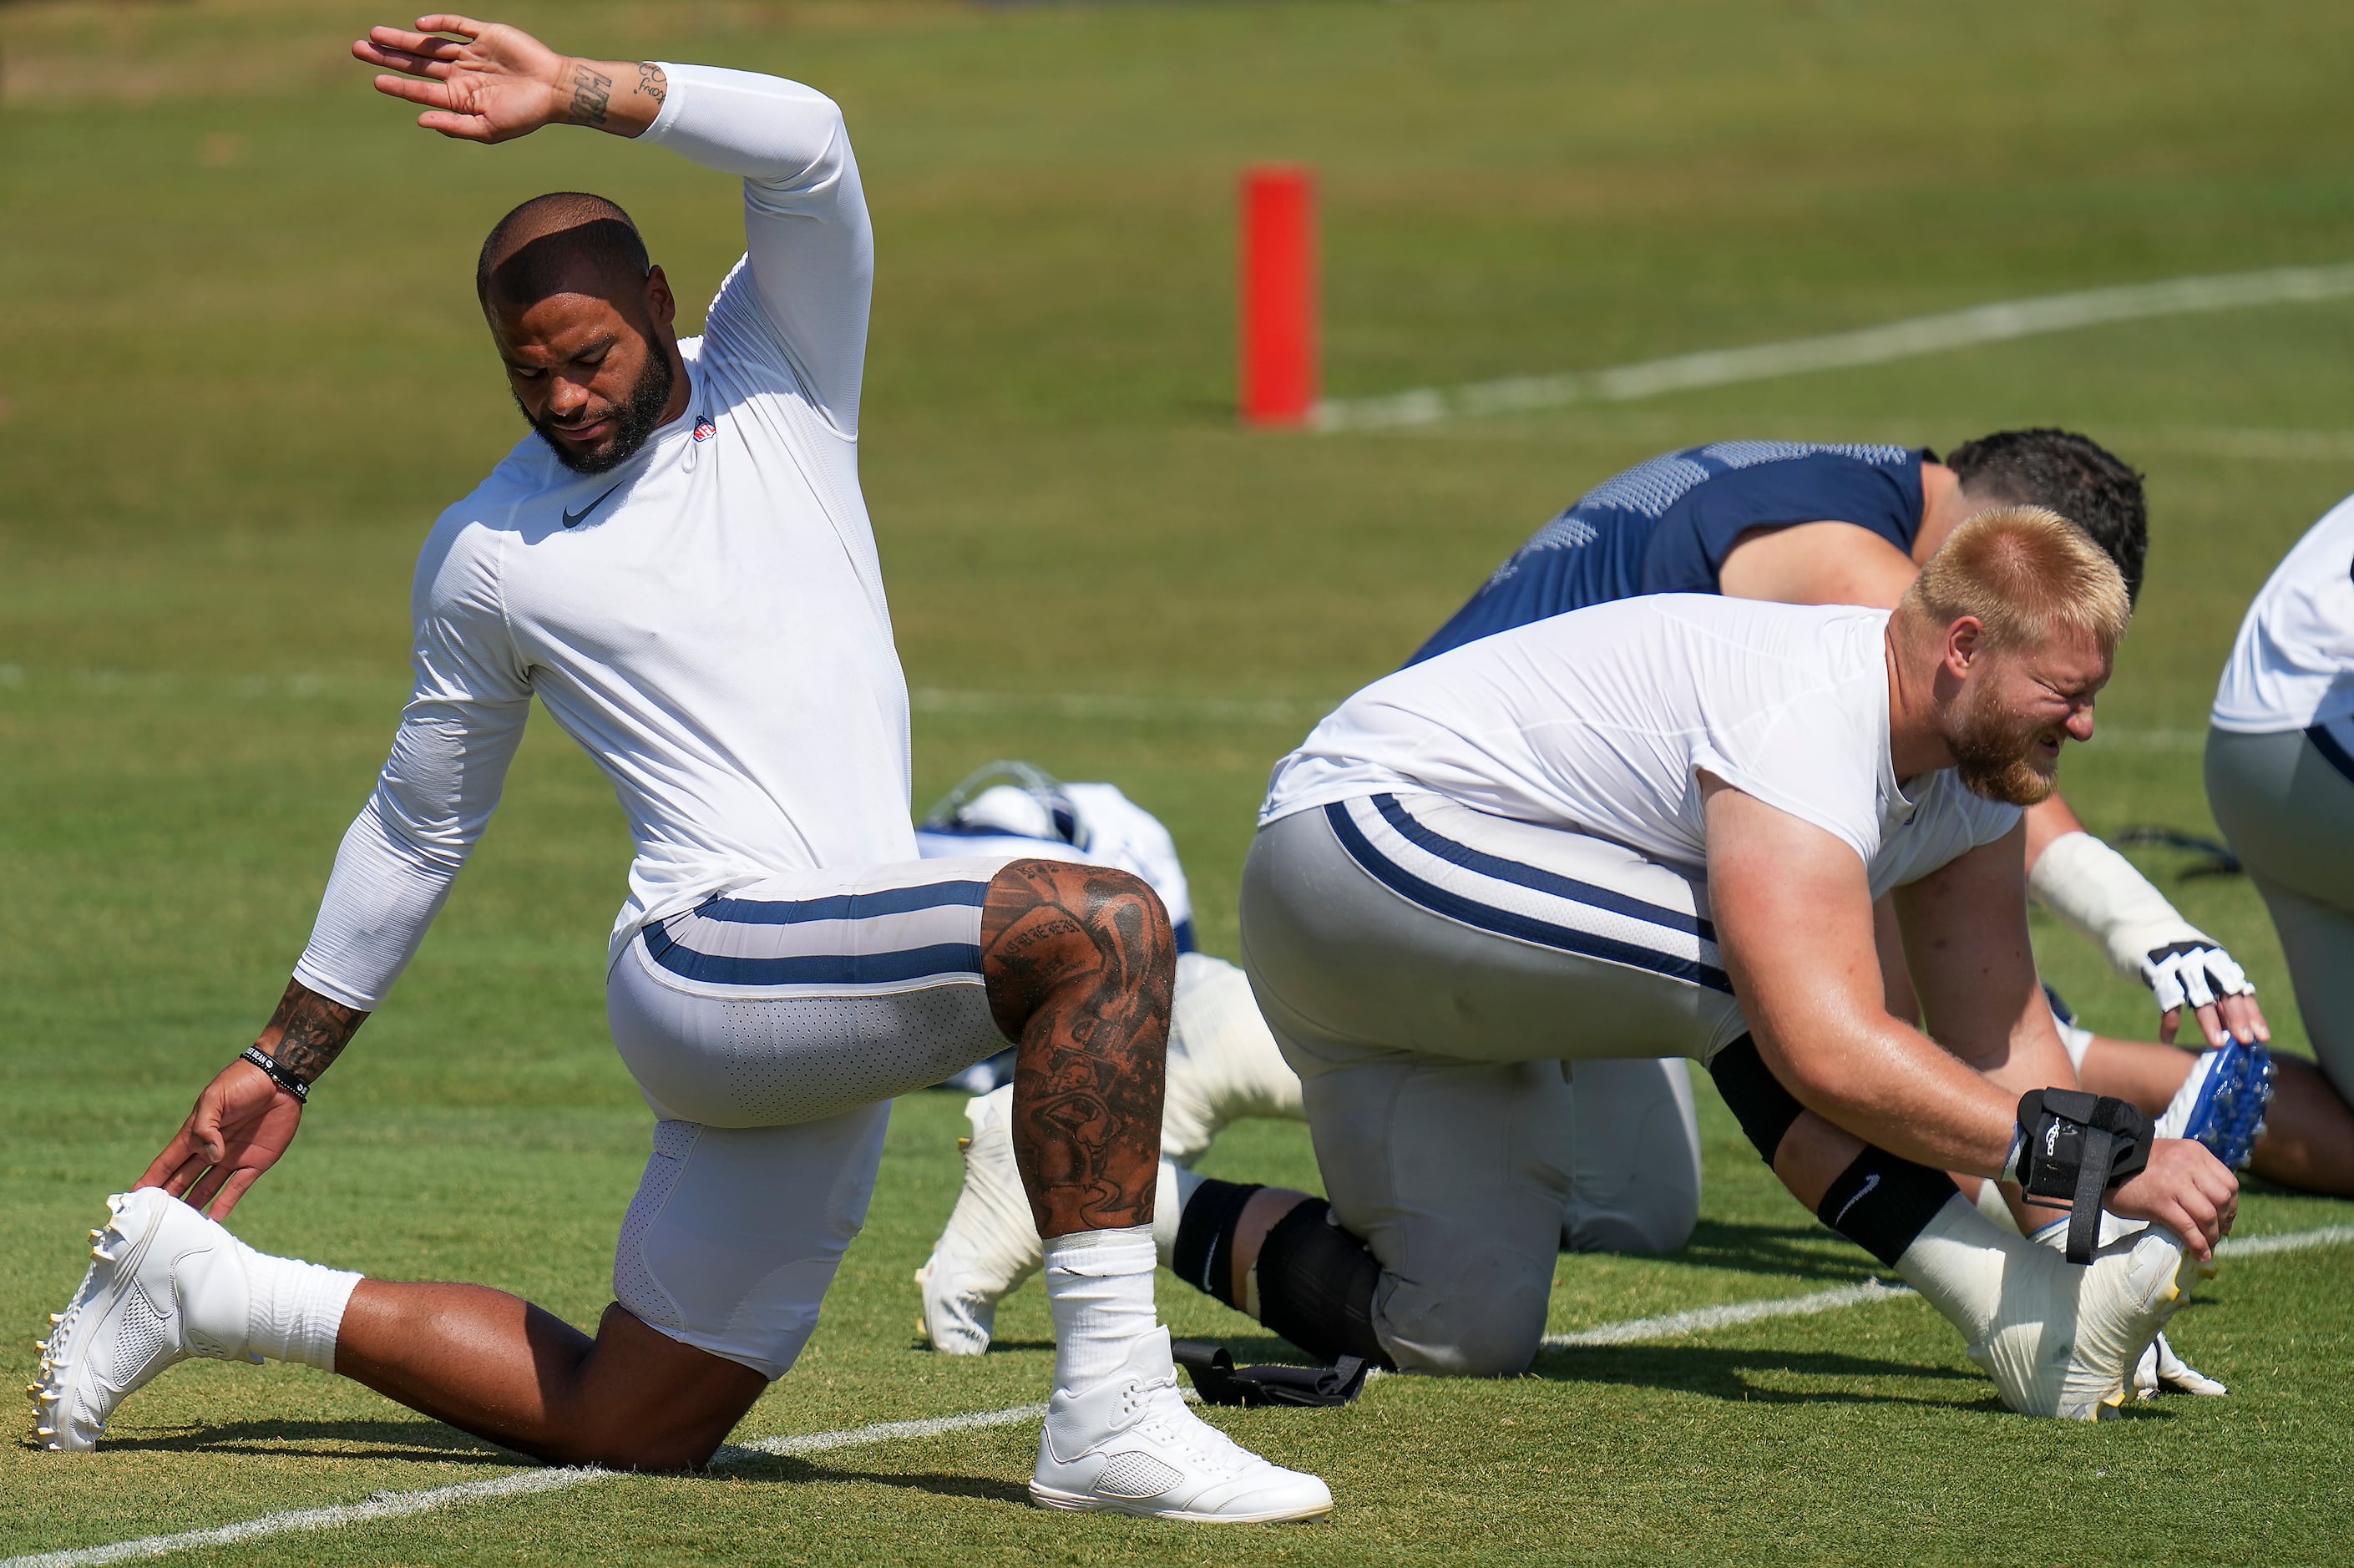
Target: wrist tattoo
[(307, 1032), (592, 93), (653, 80)]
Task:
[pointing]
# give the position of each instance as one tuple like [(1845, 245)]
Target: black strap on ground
[(1220, 1381)]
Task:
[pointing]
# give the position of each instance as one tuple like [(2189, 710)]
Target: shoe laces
[(1167, 1422)]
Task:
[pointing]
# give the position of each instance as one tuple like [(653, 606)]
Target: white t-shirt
[(707, 620), (1601, 721), (2293, 666)]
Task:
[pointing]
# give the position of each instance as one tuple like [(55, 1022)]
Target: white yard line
[(529, 1483), (1701, 1320), (526, 1483), (1833, 351), (2264, 1246)]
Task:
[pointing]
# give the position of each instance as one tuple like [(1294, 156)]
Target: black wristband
[(278, 1075), (2075, 1147)]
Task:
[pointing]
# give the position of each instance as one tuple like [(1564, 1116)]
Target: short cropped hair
[(2072, 474), (532, 252), (2025, 573)]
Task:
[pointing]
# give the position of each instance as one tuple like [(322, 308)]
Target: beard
[(1995, 755), (635, 419)]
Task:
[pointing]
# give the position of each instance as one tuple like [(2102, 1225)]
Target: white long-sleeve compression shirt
[(706, 621)]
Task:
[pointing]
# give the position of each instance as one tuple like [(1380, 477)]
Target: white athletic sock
[(294, 1309), (1992, 1204), (1957, 1262), (2055, 1235), (1100, 1287), (1176, 1189)]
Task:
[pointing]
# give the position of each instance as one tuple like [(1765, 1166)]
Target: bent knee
[(1464, 1333), (1047, 922), (1637, 1233), (1660, 1225), (637, 1451), (647, 1401)]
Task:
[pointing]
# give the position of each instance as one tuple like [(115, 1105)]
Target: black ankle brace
[(1203, 1256), (1880, 1202)]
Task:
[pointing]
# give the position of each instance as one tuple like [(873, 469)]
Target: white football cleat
[(141, 1309), (1131, 1445), (990, 1244), (2161, 1370), (2222, 1101), (2066, 1336)]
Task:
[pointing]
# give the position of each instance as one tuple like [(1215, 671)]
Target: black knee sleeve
[(1203, 1256), (1315, 1285), (1755, 1097)]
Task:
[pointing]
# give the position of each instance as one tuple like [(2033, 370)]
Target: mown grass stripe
[(528, 1483), (1995, 322)]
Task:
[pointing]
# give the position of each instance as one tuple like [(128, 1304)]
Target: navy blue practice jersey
[(1665, 526)]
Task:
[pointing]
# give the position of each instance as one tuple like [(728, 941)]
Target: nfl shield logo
[(703, 429)]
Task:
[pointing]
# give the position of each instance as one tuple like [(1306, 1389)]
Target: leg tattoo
[(1081, 966)]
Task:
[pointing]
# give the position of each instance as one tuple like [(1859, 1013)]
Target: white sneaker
[(2066, 1336), (1134, 1447), (991, 1242), (141, 1309), (2161, 1370)]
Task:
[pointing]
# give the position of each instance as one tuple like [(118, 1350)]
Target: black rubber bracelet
[(278, 1075)]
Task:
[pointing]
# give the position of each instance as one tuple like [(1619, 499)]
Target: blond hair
[(2024, 573)]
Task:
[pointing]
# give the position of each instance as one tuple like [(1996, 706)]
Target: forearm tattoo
[(1081, 969), (592, 94), (308, 1032), (652, 81)]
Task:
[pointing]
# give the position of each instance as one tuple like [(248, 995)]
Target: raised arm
[(810, 252), (392, 873)]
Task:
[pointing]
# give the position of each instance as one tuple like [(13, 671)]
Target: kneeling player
[(1633, 1186), (1797, 524), (678, 564), (1658, 827)]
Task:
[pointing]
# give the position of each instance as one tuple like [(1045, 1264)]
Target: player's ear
[(660, 306), (1965, 640)]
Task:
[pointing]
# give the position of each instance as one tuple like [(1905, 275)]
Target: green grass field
[(243, 372)]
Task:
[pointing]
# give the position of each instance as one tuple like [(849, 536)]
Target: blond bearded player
[(678, 564), (1657, 828)]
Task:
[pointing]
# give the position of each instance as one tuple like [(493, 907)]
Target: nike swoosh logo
[(1861, 1194), (574, 519)]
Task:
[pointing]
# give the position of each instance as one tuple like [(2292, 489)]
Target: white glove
[(2098, 890), (2196, 972)]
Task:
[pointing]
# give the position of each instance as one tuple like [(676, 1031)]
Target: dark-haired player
[(678, 564), (1798, 524)]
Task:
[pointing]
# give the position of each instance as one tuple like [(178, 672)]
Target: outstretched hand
[(490, 83), (241, 1124)]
